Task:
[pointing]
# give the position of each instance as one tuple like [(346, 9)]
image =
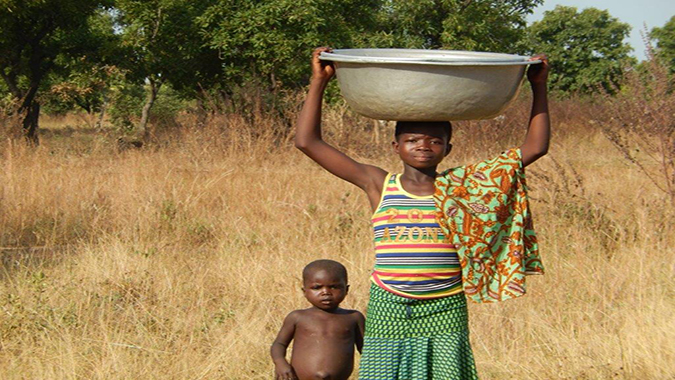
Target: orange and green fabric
[(484, 208)]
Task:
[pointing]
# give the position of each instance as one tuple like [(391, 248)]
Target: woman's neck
[(415, 175), (418, 182)]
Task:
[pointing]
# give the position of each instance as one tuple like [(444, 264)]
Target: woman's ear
[(448, 149), (394, 145)]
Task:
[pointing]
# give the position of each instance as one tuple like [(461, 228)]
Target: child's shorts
[(408, 339)]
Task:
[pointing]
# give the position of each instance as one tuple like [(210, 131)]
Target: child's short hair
[(404, 126), (327, 265)]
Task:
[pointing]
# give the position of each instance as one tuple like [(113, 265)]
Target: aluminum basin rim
[(516, 60)]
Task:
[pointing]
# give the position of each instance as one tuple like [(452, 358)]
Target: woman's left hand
[(538, 73)]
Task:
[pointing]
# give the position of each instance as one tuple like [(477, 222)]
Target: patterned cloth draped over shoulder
[(484, 208)]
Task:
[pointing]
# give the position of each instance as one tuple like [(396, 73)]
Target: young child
[(439, 238), (324, 336)]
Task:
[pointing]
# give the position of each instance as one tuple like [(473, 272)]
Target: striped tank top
[(413, 259)]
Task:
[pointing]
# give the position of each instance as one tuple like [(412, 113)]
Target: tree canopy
[(665, 42), (272, 40), (165, 44), (33, 34), (586, 48), (480, 25), (87, 53)]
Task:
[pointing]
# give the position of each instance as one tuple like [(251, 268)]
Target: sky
[(636, 13)]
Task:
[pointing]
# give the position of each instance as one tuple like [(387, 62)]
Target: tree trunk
[(104, 106), (145, 114), (31, 113), (27, 109), (202, 113)]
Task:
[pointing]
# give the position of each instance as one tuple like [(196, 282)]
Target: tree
[(665, 42), (85, 81), (87, 87), (165, 44), (586, 48), (33, 34), (477, 25), (272, 40)]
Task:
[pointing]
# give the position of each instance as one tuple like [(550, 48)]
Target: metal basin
[(427, 85)]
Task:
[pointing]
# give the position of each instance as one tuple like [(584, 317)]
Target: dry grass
[(179, 261)]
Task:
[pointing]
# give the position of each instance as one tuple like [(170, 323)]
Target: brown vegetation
[(640, 122), (179, 260)]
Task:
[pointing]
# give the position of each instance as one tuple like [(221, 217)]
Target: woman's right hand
[(322, 70)]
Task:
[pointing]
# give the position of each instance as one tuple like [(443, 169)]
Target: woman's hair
[(405, 126)]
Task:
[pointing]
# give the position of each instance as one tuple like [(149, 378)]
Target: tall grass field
[(179, 260)]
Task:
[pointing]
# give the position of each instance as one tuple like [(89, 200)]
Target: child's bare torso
[(323, 344)]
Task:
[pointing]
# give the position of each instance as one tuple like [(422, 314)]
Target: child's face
[(423, 146), (325, 290)]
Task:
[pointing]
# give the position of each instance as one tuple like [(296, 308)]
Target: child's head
[(325, 284), (422, 144)]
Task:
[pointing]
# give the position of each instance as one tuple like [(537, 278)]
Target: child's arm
[(360, 328), (282, 369), (539, 130), (308, 136)]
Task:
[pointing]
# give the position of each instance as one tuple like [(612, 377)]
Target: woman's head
[(422, 145)]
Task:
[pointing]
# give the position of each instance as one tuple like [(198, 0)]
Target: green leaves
[(273, 39), (480, 25), (221, 46), (586, 48), (33, 36), (164, 41), (665, 42)]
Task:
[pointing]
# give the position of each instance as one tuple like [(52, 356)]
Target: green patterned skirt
[(408, 339)]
